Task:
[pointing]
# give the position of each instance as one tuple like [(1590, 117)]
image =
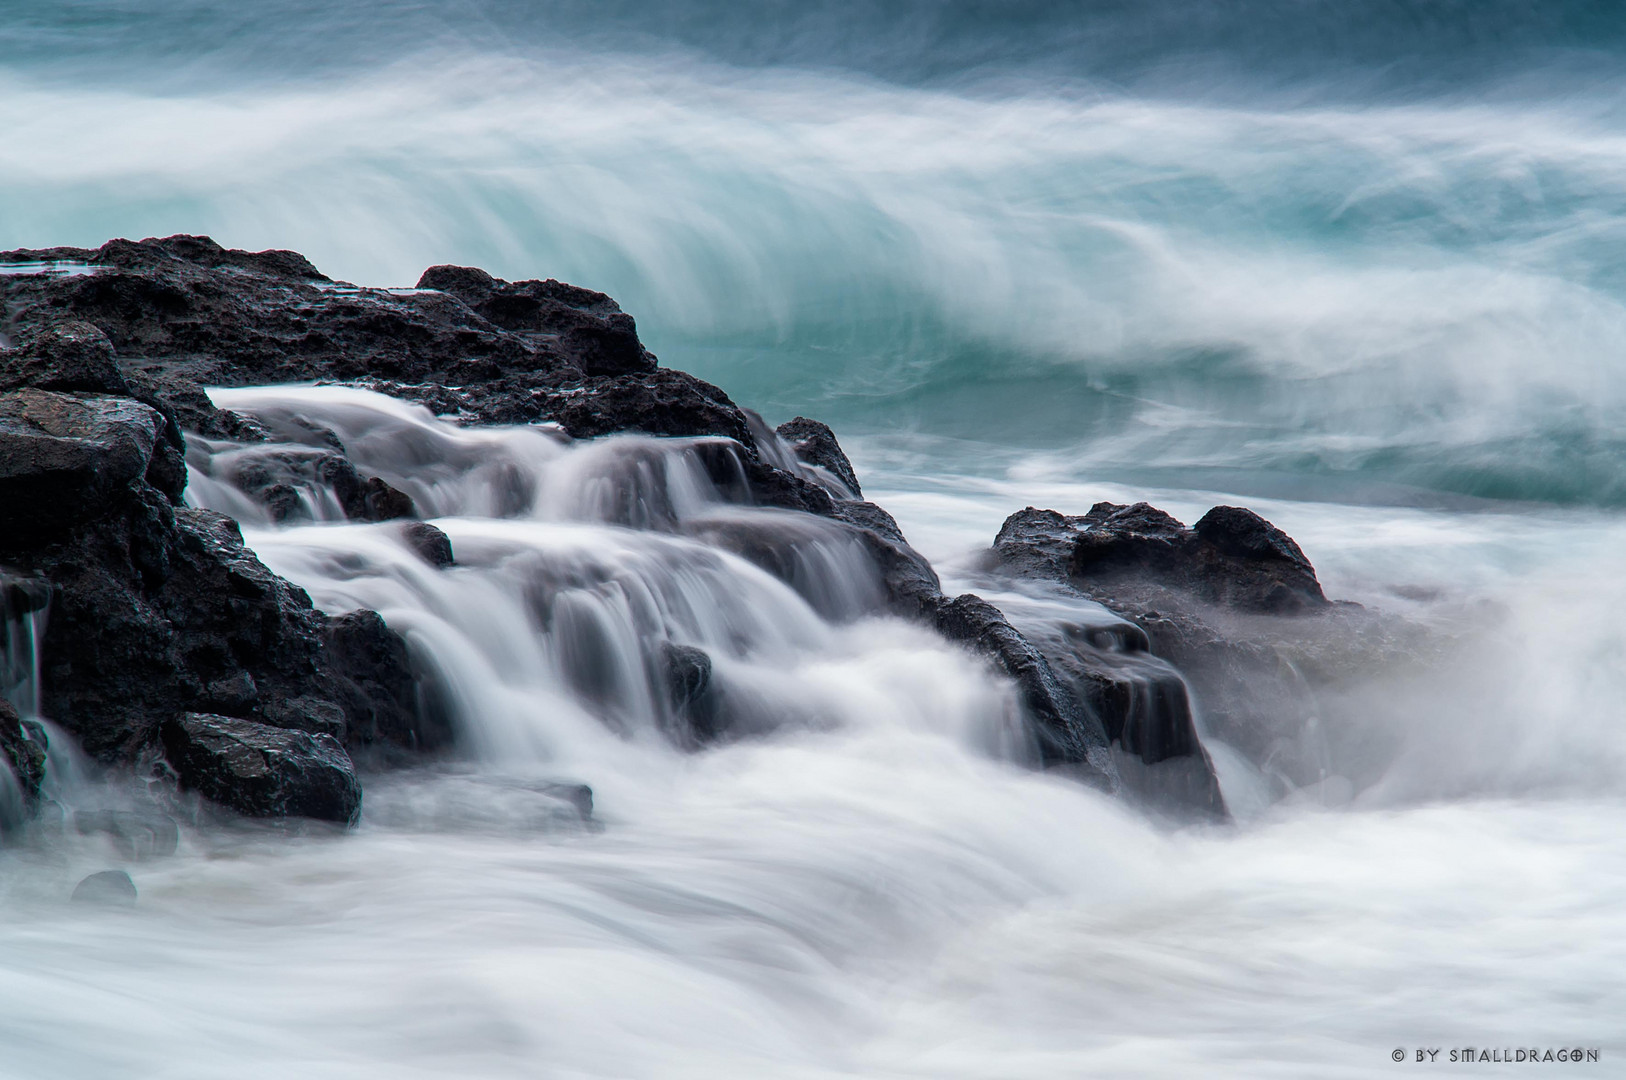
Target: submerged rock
[(262, 771), (109, 888), (431, 544)]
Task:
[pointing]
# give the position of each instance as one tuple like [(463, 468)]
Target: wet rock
[(1067, 733), (1236, 559), (63, 457), (109, 888), (384, 698), (22, 749), (588, 326), (431, 544), (262, 771), (816, 444), (68, 355), (688, 672)]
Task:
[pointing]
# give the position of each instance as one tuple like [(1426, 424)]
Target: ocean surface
[(1358, 265)]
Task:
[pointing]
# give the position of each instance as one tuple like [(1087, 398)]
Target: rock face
[(262, 771)]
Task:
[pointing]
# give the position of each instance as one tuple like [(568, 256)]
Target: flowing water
[(1356, 265)]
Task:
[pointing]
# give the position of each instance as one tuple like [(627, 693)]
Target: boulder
[(262, 771), (1234, 558), (431, 544), (62, 457), (68, 355), (600, 338)]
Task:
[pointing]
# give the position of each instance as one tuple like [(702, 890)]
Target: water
[(1354, 265)]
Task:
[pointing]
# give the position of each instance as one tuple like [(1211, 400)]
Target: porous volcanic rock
[(262, 771)]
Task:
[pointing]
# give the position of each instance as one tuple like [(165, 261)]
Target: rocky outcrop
[(1232, 604), (262, 771), (165, 631), (1232, 558), (815, 444)]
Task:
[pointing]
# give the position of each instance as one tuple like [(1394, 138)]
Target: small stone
[(109, 888)]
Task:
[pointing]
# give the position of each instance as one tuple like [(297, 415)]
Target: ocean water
[(1356, 265)]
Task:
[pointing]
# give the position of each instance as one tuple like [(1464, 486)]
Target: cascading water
[(620, 589)]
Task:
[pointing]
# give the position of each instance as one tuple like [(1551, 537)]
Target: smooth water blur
[(1354, 264), (1324, 268)]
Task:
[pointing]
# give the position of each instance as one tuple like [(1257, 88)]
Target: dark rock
[(263, 771), (432, 545), (1256, 565), (62, 458), (688, 672), (1237, 559), (68, 355), (816, 444), (698, 718), (1067, 733), (589, 327), (109, 888), (384, 698), (22, 749)]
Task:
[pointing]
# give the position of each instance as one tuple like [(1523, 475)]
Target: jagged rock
[(431, 544), (383, 697), (109, 888), (1235, 558), (263, 771), (63, 457), (600, 337), (816, 444), (1067, 733)]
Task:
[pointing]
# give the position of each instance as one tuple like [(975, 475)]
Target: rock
[(22, 749), (1237, 559), (590, 327), (68, 355), (1233, 605), (263, 771), (109, 888), (686, 673), (383, 696), (62, 458), (136, 835), (816, 445), (1261, 568), (432, 545), (1067, 733)]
